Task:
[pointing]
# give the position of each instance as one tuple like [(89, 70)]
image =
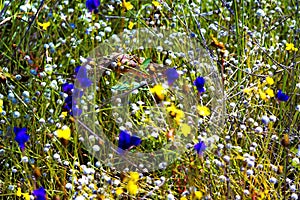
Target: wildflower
[(127, 5), (262, 94), (126, 141), (270, 92), (159, 91), (25, 195), (199, 83), (130, 25), (64, 114), (200, 147), (19, 192), (156, 4), (172, 75), (44, 25), (179, 116), (77, 93), (21, 137), (290, 47), (185, 129), (247, 90), (67, 87), (134, 176), (132, 188), (76, 111), (281, 96), (260, 13), (294, 196), (270, 80), (72, 25), (119, 191), (68, 103), (40, 193), (265, 119), (273, 180), (176, 113), (198, 195), (81, 76), (64, 132), (203, 110), (1, 104), (92, 5)]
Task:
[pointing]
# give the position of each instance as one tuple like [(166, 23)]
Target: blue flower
[(77, 93), (200, 147), (21, 137), (92, 5), (72, 25), (76, 70), (281, 96), (172, 75), (126, 141), (40, 193), (81, 76), (70, 106), (68, 103), (298, 152), (67, 87), (199, 83), (75, 111)]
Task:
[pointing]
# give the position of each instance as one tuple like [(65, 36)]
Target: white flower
[(24, 159), (273, 180), (260, 13), (69, 186), (265, 119), (258, 129), (294, 196)]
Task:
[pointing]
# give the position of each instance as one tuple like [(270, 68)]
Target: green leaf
[(121, 87), (145, 64)]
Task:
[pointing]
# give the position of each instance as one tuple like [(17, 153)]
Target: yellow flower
[(174, 112), (203, 110), (198, 195), (64, 132), (132, 188), (119, 191), (179, 116), (270, 92), (183, 198), (185, 129), (64, 114), (19, 192), (269, 80), (44, 25), (130, 25), (247, 90), (25, 195), (262, 95), (134, 176), (156, 3), (1, 104), (290, 47), (127, 5), (159, 91)]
